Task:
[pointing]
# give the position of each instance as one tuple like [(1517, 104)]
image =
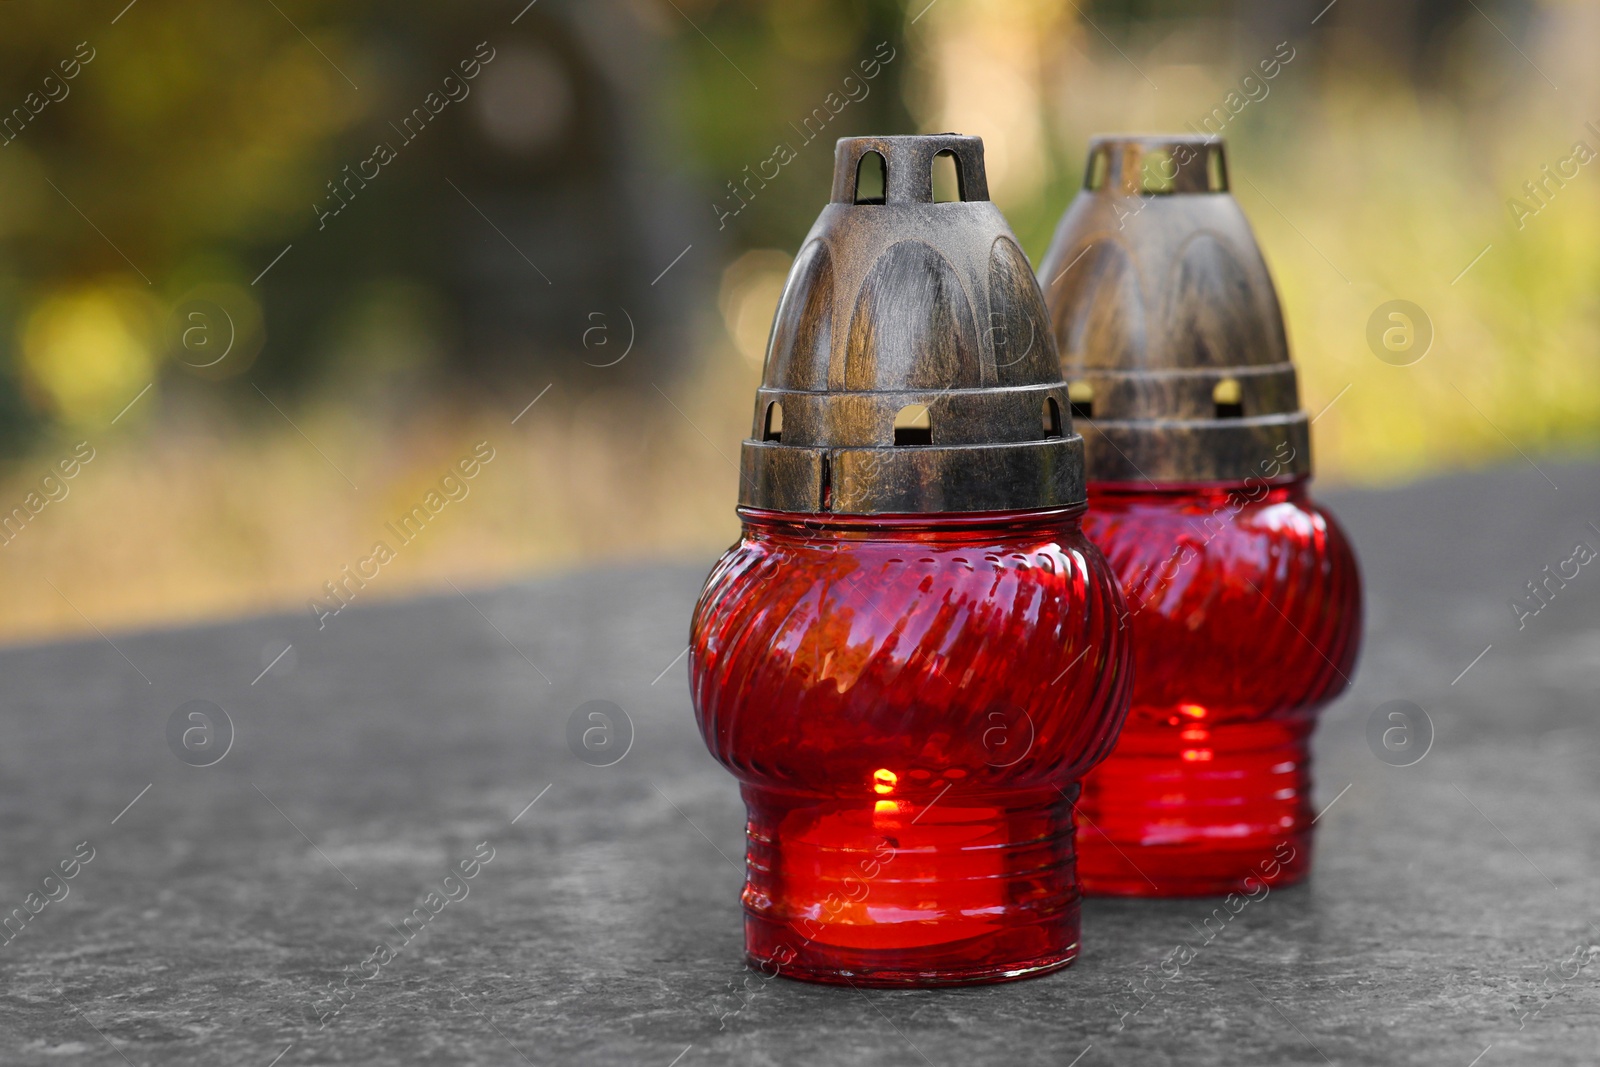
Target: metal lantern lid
[(910, 367), (1167, 322)]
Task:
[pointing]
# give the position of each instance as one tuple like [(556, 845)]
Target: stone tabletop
[(403, 778)]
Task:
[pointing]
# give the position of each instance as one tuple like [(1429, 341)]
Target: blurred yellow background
[(272, 341)]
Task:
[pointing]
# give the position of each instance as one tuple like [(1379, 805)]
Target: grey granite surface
[(1452, 917)]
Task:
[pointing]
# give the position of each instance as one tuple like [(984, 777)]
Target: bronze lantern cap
[(910, 367), (1167, 322)]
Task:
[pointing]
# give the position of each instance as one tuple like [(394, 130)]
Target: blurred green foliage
[(182, 143), (172, 186), (796, 53), (194, 141)]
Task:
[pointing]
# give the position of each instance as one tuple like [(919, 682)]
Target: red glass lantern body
[(1245, 610), (892, 695)]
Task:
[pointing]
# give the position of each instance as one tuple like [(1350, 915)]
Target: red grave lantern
[(912, 654), (1244, 597)]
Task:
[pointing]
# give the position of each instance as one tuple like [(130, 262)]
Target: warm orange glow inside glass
[(883, 780)]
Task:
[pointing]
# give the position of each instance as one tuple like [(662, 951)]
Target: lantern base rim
[(1195, 870), (922, 967)]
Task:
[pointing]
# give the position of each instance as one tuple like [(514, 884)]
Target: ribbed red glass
[(909, 703), (1245, 606)]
